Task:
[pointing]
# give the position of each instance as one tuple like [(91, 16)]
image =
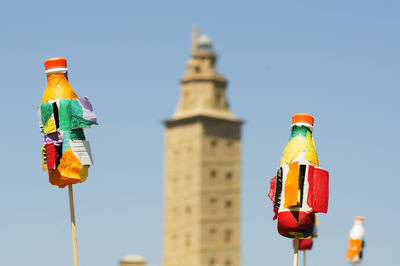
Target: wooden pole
[(73, 227), (304, 257), (296, 250)]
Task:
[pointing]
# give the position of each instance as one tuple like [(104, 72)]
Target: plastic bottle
[(62, 117), (356, 242), (300, 188)]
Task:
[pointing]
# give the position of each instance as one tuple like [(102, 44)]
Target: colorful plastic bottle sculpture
[(356, 242), (62, 117), (300, 188)]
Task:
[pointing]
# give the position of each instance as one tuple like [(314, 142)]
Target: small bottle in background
[(356, 242)]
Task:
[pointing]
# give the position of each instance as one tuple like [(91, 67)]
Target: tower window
[(211, 262), (228, 176), (213, 201), (218, 98), (212, 205), (212, 63), (228, 236), (213, 143), (213, 173), (228, 204), (228, 263), (212, 231), (197, 69)]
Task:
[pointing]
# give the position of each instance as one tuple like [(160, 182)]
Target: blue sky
[(338, 60)]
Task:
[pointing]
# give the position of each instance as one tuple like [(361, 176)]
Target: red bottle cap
[(303, 118), (55, 62), (359, 218)]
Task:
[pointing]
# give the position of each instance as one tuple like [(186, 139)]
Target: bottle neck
[(58, 87), (57, 77), (300, 130), (357, 232), (61, 70), (358, 223)]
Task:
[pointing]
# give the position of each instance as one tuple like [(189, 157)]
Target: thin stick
[(73, 227), (296, 250), (304, 257)]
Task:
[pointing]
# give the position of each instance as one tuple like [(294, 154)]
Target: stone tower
[(202, 169)]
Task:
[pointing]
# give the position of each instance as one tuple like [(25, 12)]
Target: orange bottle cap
[(359, 218), (55, 62), (303, 118)]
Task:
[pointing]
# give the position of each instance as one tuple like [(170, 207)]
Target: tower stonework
[(202, 169)]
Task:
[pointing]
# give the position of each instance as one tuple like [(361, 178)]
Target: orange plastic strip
[(354, 248), (292, 185)]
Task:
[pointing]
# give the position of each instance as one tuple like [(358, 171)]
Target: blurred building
[(202, 168), (132, 260)]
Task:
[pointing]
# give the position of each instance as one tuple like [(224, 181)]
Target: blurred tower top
[(203, 90)]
